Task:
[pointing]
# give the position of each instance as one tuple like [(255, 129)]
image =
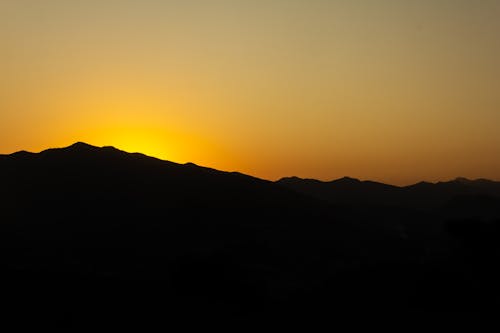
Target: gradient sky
[(389, 90)]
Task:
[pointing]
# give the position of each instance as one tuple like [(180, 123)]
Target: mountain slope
[(421, 196), (110, 178), (123, 235), (344, 190), (107, 221)]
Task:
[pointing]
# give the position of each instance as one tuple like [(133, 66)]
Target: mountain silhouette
[(96, 235), (344, 190), (423, 195)]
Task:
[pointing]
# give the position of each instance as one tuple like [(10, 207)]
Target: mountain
[(107, 221), (94, 235), (344, 190), (112, 179), (420, 196)]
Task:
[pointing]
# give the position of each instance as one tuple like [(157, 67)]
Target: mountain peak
[(346, 180), (293, 178), (77, 148), (81, 146), (85, 147), (472, 182), (22, 153), (297, 180)]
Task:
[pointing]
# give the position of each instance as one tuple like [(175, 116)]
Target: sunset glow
[(395, 91)]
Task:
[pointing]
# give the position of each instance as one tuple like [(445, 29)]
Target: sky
[(389, 90)]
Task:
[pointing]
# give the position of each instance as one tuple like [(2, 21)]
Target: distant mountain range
[(95, 234), (479, 196)]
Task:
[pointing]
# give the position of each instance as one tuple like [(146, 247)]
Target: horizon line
[(85, 144)]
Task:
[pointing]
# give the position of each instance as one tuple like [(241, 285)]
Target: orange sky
[(395, 91)]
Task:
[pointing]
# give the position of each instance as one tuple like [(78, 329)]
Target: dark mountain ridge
[(423, 195), (100, 235)]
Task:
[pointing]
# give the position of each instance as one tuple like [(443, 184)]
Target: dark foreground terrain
[(96, 236)]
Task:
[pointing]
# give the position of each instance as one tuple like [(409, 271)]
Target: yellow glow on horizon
[(383, 90), (156, 138), (141, 140), (149, 140)]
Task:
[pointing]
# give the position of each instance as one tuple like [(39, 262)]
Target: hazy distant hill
[(99, 235), (479, 197)]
